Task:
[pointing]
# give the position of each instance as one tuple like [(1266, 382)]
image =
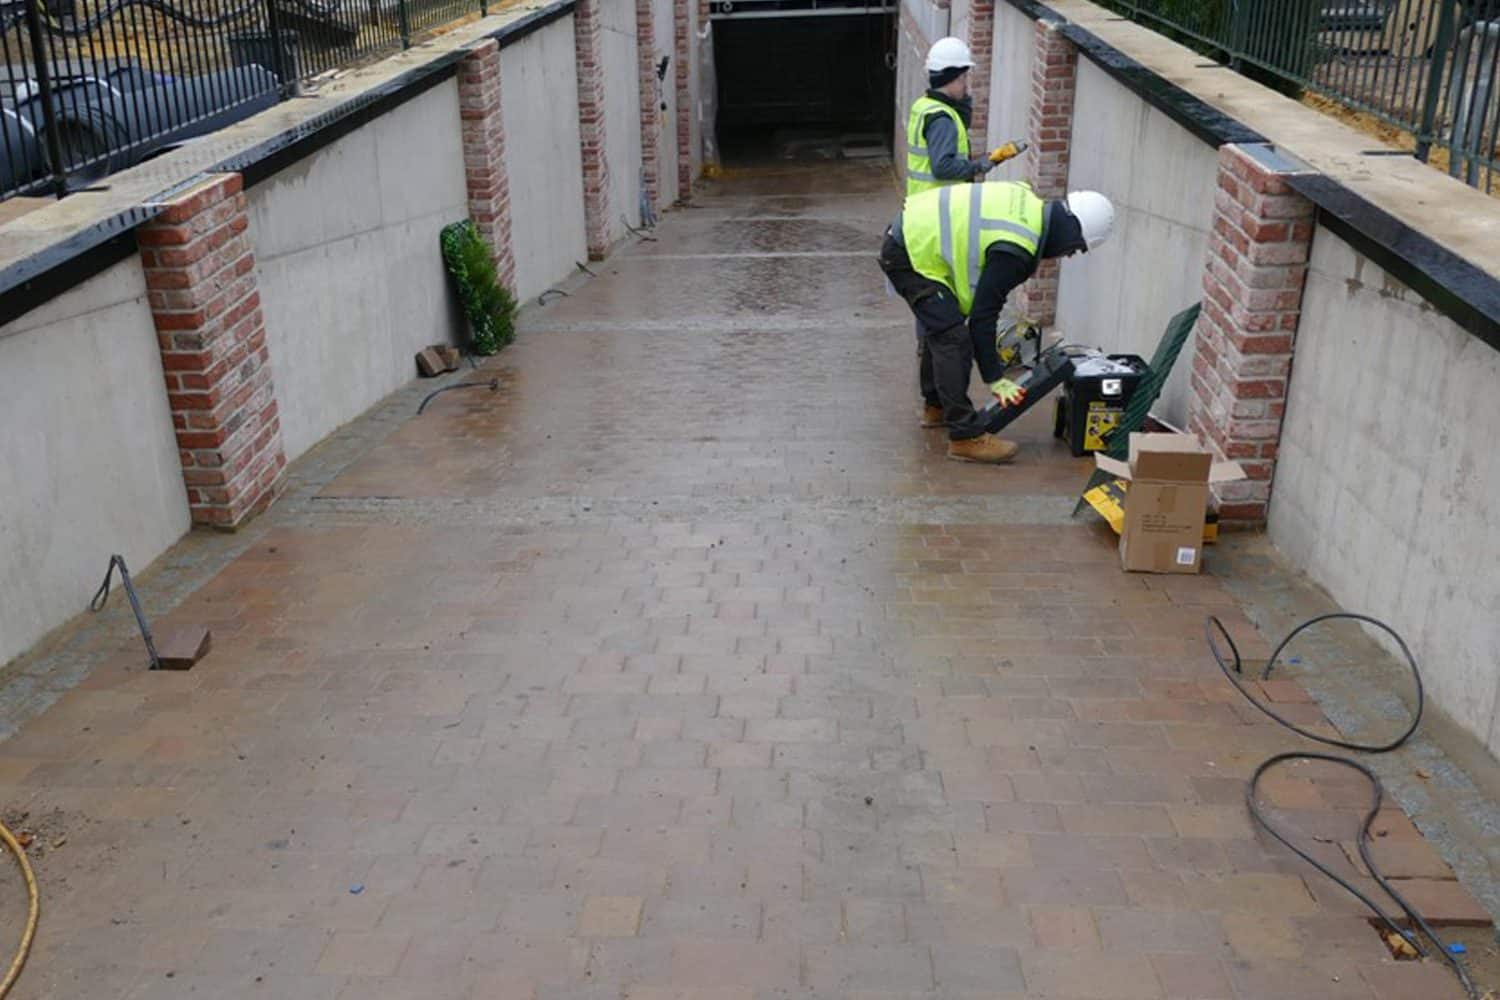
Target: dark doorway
[(805, 84)]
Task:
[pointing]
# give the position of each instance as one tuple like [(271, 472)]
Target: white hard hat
[(948, 53), (1095, 215)]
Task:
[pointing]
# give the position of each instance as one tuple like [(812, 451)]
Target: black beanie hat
[(943, 77)]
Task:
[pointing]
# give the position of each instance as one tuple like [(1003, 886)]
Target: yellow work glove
[(1006, 152), (1008, 392)]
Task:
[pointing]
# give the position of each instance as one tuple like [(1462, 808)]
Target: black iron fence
[(1425, 73), (88, 87)]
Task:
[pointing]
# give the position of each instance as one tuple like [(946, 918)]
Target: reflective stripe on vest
[(919, 176), (949, 229)]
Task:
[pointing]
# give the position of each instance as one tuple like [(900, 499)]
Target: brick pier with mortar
[(588, 41), (651, 99), (981, 47), (200, 280), (682, 81), (483, 126), (686, 693), (1252, 300), (1054, 75)]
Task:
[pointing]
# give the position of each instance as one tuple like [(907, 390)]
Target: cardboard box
[(1166, 504)]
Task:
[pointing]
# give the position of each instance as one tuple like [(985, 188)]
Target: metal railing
[(88, 87), (1426, 73)]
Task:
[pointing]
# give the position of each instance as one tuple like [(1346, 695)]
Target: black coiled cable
[(1233, 668)]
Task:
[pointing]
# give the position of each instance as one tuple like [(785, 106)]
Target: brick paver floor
[(686, 667)]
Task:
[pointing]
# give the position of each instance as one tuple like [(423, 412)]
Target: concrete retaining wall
[(1010, 83), (622, 105), (88, 461), (1162, 180), (666, 92), (919, 25), (541, 156), (351, 281), (1387, 490)]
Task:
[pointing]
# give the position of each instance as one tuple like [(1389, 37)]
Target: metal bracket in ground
[(101, 597), (493, 385)]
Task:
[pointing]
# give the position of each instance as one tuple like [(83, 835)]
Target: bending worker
[(957, 252)]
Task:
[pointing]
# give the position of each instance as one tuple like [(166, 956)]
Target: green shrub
[(489, 305)]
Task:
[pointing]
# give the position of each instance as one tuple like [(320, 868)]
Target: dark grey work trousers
[(945, 355)]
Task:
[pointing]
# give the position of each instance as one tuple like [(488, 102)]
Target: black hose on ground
[(1233, 669), (492, 385)]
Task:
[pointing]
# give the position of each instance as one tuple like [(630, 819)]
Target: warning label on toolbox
[(1099, 421)]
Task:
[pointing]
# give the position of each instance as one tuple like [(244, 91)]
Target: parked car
[(112, 121)]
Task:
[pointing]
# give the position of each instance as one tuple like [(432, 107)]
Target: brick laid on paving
[(655, 676)]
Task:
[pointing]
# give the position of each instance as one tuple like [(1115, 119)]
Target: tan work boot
[(932, 416), (985, 448)]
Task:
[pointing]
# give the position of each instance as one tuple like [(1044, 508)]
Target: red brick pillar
[(588, 43), (1252, 301), (981, 47), (1054, 75), (200, 279), (484, 153), (645, 43), (682, 54)]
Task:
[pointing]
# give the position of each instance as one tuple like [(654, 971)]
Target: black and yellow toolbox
[(1095, 394)]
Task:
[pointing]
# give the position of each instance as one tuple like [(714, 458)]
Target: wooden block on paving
[(180, 648), (450, 355), (1443, 903), (430, 363)]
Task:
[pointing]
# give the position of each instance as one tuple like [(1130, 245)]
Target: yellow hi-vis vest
[(919, 175), (948, 230)]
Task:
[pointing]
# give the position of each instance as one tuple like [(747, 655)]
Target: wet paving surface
[(685, 666)]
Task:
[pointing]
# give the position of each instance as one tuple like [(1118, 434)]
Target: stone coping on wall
[(1430, 231), (45, 252)]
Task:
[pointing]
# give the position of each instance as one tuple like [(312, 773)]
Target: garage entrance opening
[(804, 79)]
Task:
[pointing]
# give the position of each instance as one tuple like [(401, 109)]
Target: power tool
[(1051, 369)]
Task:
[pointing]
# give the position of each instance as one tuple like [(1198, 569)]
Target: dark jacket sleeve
[(941, 136), (1003, 271)]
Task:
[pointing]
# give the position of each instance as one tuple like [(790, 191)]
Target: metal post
[(101, 597), (1481, 43), (1236, 35), (43, 72), (282, 62), (403, 19), (1425, 129)]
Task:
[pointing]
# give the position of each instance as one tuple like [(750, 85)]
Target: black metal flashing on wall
[(1461, 291), (1457, 288), (43, 276), (264, 160), (514, 31), (48, 273)]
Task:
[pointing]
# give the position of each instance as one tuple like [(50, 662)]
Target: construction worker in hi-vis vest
[(937, 131), (954, 254)]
